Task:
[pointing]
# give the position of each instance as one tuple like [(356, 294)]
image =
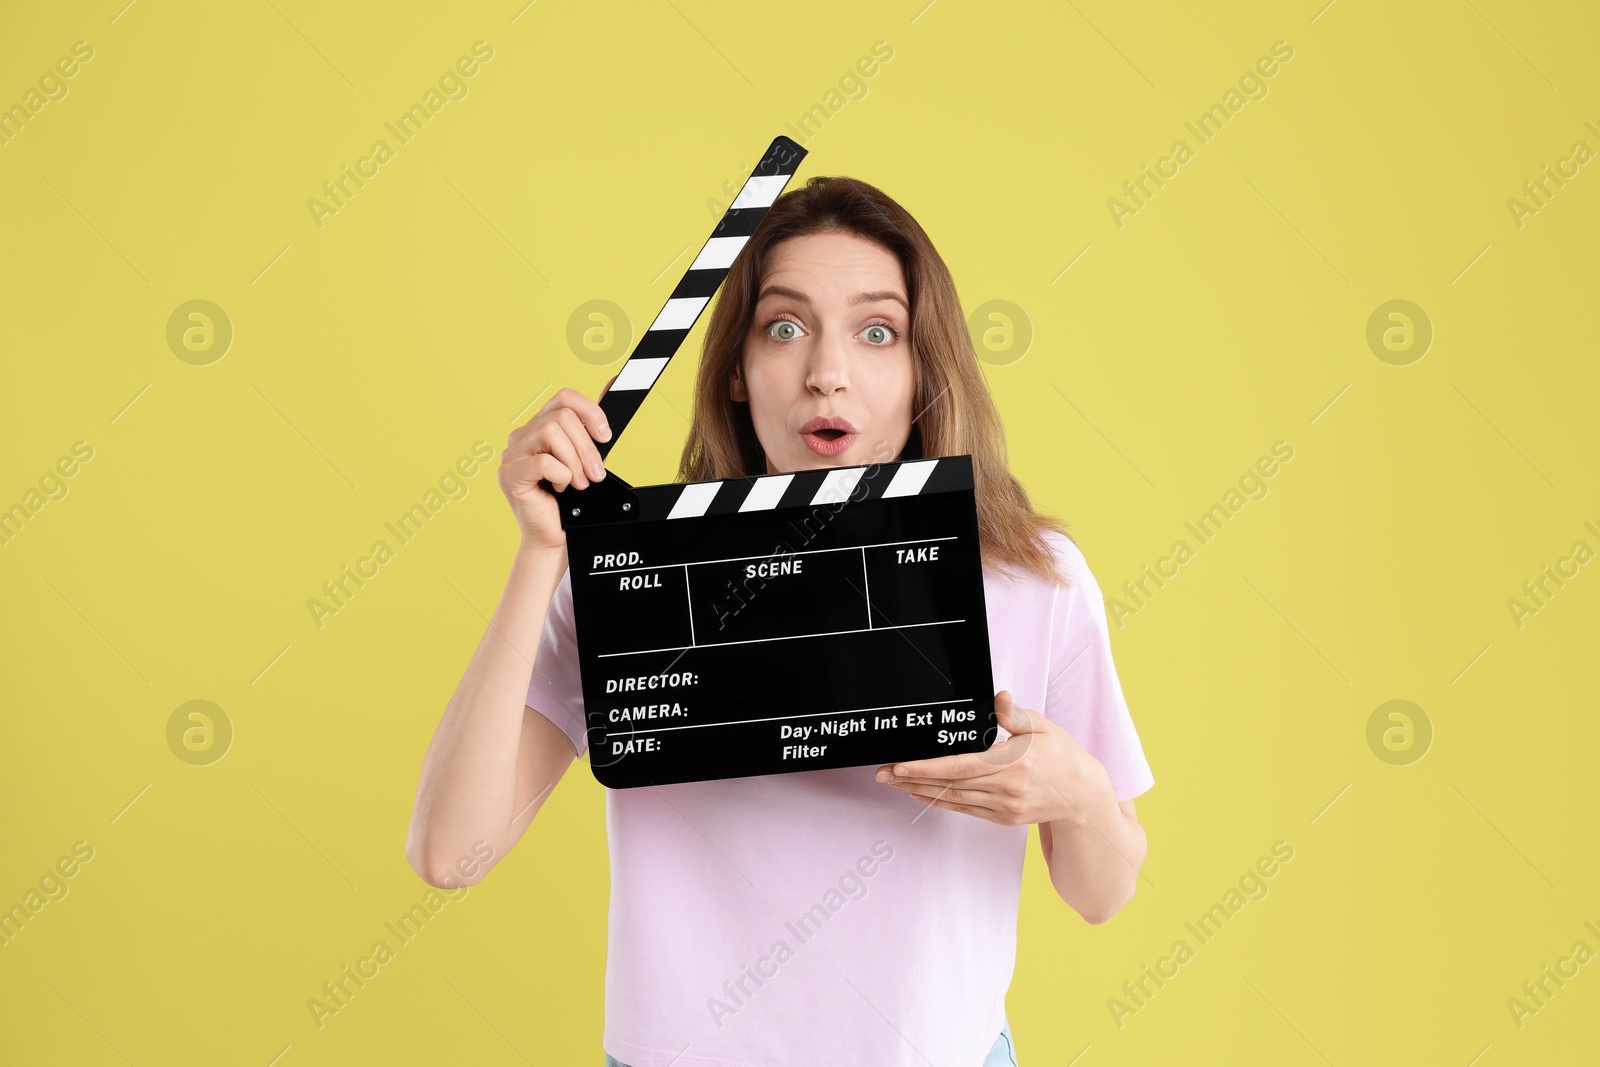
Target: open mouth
[(829, 435)]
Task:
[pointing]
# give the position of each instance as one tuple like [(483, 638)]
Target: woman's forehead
[(832, 267)]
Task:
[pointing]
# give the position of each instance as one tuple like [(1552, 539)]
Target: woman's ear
[(736, 388)]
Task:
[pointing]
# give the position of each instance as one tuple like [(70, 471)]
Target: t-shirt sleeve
[(556, 689), (1083, 694)]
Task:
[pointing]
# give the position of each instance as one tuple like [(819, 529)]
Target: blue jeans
[(1001, 1054)]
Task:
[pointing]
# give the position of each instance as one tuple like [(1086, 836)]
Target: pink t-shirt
[(824, 917)]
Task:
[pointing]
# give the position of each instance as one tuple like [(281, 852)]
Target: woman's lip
[(828, 422), (824, 447)]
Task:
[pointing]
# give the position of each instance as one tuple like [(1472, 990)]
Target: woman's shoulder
[(1069, 565), (1070, 559)]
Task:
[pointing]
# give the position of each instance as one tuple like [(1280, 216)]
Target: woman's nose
[(829, 370)]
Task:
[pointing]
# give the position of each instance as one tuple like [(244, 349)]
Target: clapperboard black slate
[(786, 622)]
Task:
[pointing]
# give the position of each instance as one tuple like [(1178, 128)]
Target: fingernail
[(883, 776), (596, 470)]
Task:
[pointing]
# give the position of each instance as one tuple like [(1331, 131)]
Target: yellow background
[(431, 312)]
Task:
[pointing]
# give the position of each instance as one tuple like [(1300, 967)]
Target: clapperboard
[(768, 624)]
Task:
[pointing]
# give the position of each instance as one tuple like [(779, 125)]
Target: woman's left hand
[(1039, 774)]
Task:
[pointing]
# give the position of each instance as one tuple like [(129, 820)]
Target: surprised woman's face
[(827, 366)]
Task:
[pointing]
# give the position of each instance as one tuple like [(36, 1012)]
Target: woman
[(858, 915)]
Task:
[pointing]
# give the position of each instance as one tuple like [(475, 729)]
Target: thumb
[(1016, 720)]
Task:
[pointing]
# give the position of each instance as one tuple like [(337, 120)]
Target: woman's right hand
[(557, 446)]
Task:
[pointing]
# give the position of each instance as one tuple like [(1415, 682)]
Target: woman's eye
[(878, 334)]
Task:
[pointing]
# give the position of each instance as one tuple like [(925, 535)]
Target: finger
[(555, 440), (977, 813), (1016, 720), (961, 765), (972, 798), (1022, 724), (540, 466), (588, 412), (607, 388), (583, 445), (970, 783)]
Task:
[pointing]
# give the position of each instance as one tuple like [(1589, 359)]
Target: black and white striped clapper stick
[(698, 284), (772, 623)]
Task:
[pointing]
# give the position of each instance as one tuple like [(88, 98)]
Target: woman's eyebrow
[(859, 298)]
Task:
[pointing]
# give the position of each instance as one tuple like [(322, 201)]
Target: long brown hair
[(955, 415)]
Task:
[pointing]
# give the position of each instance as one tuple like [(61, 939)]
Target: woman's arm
[(1093, 844), (493, 761), (1094, 857)]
